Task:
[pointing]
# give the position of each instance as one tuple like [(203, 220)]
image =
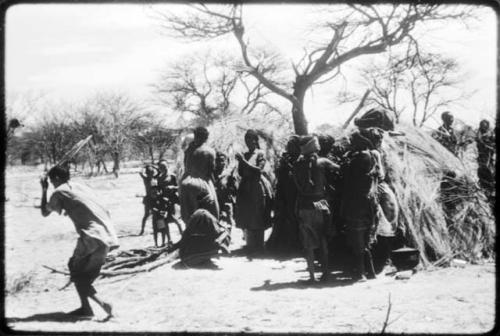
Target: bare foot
[(108, 308), (362, 279), (312, 280), (81, 313)]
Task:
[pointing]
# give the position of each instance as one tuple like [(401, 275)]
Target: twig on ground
[(66, 285), (56, 270), (386, 322), (145, 268)]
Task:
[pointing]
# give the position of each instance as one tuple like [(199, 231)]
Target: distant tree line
[(120, 128)]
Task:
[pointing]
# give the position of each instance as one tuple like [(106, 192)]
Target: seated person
[(204, 236)]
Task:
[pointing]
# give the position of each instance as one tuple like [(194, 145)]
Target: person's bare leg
[(178, 224), (155, 235), (162, 233), (324, 259), (167, 231), (309, 254), (107, 307), (144, 219), (85, 310)]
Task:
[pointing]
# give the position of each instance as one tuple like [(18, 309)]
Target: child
[(163, 213), (149, 177)]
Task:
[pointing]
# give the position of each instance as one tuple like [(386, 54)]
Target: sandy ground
[(258, 295)]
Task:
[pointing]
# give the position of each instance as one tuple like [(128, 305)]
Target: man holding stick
[(96, 234)]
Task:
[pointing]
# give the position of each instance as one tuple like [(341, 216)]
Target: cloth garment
[(376, 118), (225, 188), (387, 211), (359, 190), (255, 239), (193, 190), (313, 226), (197, 184), (357, 240), (312, 146), (85, 264), (310, 175), (447, 138), (203, 238), (89, 217), (255, 196), (285, 236)]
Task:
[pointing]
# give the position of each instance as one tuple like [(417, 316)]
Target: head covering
[(360, 142), (220, 155), (252, 135), (200, 134), (293, 145), (485, 122), (325, 143), (163, 164), (376, 117), (446, 115), (374, 134), (310, 145), (149, 169)]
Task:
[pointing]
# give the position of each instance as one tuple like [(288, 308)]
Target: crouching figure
[(204, 237)]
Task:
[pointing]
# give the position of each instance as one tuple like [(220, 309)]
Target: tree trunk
[(116, 164), (151, 153), (104, 165), (299, 119), (357, 109)]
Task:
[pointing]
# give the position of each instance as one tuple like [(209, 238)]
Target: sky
[(70, 52)]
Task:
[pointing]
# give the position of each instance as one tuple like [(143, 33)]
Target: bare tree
[(350, 31), (19, 106), (89, 122), (429, 83), (119, 119), (205, 86), (387, 82), (156, 138), (50, 137)]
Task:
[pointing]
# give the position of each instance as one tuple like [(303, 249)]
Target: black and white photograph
[(248, 167)]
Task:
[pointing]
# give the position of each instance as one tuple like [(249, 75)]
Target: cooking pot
[(405, 258)]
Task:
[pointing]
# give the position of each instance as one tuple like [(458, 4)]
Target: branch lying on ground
[(129, 259), (386, 322)]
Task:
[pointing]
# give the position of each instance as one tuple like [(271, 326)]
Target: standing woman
[(254, 197), (358, 204)]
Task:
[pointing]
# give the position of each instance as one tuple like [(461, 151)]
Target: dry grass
[(417, 164), (20, 282)]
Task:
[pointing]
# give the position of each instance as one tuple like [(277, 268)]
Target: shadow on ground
[(337, 280), (46, 317)]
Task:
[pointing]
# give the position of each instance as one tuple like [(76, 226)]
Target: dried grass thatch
[(417, 164), (227, 136)]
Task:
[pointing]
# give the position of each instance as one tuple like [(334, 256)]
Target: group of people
[(159, 201), (485, 141), (320, 192)]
